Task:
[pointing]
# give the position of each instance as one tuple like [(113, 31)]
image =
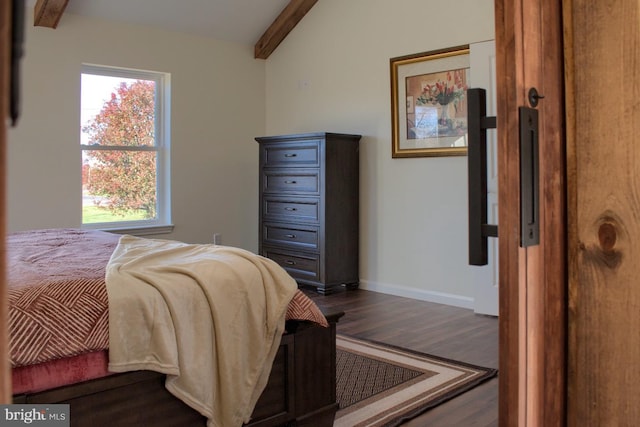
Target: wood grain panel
[(5, 37), (282, 26), (47, 13), (553, 274), (531, 297), (508, 17), (532, 280), (604, 317)]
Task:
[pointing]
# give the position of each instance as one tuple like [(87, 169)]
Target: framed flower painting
[(428, 103)]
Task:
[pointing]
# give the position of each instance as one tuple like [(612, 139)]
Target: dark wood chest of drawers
[(309, 207)]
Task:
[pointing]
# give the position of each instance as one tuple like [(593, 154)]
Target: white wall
[(332, 74), (218, 95)]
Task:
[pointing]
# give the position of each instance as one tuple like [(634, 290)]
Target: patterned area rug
[(380, 385)]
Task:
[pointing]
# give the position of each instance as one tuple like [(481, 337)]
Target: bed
[(61, 325)]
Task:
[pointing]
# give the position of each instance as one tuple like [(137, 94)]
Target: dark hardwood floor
[(437, 329)]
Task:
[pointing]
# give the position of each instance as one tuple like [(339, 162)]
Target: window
[(124, 138)]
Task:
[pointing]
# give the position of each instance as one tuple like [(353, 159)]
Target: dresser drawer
[(286, 181), (299, 266), (294, 154), (294, 236), (309, 204), (291, 208)]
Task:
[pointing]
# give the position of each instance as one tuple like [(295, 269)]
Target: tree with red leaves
[(125, 177)]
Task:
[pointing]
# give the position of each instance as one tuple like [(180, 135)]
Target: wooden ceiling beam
[(283, 24), (47, 13)]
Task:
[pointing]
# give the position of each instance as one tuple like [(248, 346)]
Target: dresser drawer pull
[(291, 155), (291, 209), (291, 236), (291, 182), (289, 262)]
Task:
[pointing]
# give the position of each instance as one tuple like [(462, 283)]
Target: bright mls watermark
[(34, 415)]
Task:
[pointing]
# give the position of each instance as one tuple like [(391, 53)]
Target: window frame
[(162, 222)]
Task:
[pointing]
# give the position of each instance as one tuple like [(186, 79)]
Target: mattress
[(58, 306)]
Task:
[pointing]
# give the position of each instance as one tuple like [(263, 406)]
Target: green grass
[(95, 214)]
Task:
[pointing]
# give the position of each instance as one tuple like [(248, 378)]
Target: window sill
[(141, 231)]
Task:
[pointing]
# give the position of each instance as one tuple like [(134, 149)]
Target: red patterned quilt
[(58, 304)]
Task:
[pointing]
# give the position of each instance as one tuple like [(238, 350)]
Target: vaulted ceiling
[(263, 22)]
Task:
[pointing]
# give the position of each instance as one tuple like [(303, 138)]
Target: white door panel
[(482, 59)]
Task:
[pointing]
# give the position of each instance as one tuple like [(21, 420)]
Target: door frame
[(5, 40), (533, 307), (532, 321)]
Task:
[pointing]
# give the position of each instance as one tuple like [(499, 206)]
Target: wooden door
[(532, 280), (5, 37), (603, 105)]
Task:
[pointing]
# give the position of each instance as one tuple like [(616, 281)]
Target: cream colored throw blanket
[(210, 317)]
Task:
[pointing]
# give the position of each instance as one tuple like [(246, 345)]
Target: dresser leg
[(327, 290)]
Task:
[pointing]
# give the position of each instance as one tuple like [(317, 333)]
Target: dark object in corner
[(17, 40)]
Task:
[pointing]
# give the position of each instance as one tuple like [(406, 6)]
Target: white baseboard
[(419, 294)]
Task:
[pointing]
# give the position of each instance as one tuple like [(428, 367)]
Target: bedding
[(60, 372), (59, 304), (210, 317)]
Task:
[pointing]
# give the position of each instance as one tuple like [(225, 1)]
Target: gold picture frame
[(428, 103)]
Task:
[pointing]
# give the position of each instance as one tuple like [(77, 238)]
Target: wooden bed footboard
[(301, 390)]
